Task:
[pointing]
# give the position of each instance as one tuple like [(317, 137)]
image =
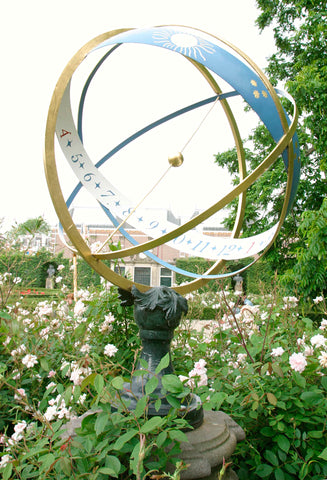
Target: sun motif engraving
[(264, 93), (184, 43), (254, 83)]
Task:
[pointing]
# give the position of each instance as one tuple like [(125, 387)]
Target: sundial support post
[(157, 313)]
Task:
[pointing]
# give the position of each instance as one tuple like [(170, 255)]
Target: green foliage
[(86, 276), (195, 265), (111, 441), (282, 410), (31, 226), (259, 277), (300, 34), (310, 271), (55, 362), (191, 264)]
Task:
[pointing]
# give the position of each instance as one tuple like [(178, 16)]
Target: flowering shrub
[(259, 360), (59, 361), (265, 366)]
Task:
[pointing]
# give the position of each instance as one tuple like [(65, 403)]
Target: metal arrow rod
[(175, 161)]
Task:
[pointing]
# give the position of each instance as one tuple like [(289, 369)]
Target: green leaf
[(113, 463), (134, 461), (271, 457), (126, 437), (324, 382), (77, 392), (283, 442), (88, 381), (80, 330), (143, 363), (65, 370), (218, 399), (101, 422), (151, 385), (99, 384), (46, 461), (68, 394), (161, 438), (5, 315), (141, 407), (172, 383), (65, 465), (60, 388), (178, 436), (157, 404), (152, 424), (264, 470), (117, 383), (277, 369), (311, 398), (108, 471), (255, 396), (279, 474), (272, 399), (44, 364), (323, 454), (164, 363), (304, 471), (299, 379), (315, 434), (139, 373), (255, 405), (267, 431), (173, 401), (7, 471)]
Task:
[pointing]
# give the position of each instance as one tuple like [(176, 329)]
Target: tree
[(310, 273), (32, 226), (300, 34), (300, 62)]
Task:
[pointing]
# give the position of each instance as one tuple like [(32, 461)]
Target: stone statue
[(49, 283)]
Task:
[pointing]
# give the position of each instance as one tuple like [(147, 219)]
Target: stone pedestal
[(49, 283), (209, 445)]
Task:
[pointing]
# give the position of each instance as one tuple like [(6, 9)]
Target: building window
[(120, 270), (142, 275), (165, 277)]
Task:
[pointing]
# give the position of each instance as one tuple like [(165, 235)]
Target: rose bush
[(259, 359)]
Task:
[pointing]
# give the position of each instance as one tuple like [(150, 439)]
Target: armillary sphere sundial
[(157, 311), (212, 57)]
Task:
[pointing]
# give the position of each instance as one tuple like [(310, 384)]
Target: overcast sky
[(39, 37)]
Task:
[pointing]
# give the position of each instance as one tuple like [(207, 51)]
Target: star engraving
[(69, 143), (81, 164)]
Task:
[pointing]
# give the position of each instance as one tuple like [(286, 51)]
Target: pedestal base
[(209, 445)]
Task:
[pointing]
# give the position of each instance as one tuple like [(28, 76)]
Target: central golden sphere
[(176, 160)]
